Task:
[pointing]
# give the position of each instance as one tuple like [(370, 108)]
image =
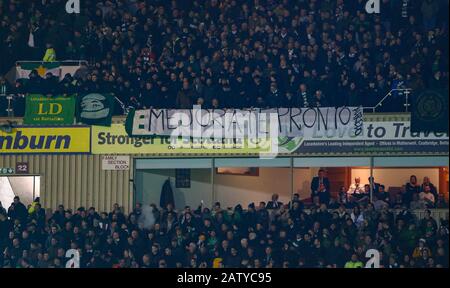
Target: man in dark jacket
[(320, 179), (17, 210), (38, 215), (5, 227), (274, 203), (2, 210), (274, 97), (185, 97), (323, 194)]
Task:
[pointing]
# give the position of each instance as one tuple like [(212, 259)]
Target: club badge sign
[(430, 112), (42, 110), (95, 109)]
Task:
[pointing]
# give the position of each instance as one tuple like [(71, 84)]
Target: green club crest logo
[(430, 106), (289, 144)]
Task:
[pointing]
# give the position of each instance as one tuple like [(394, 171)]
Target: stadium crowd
[(265, 235), (231, 53)]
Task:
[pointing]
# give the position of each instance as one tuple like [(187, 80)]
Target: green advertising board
[(43, 110)]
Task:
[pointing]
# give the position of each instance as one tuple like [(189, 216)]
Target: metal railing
[(63, 63), (438, 214), (406, 92), (9, 109)]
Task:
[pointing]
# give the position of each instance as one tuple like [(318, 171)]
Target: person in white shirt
[(356, 188), (427, 196), (361, 193)]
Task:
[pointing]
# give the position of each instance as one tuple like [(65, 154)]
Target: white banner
[(117, 163), (292, 122)]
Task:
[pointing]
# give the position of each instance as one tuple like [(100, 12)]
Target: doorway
[(26, 187)]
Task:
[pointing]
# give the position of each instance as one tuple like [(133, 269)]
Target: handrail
[(9, 109), (67, 62), (373, 109), (407, 91)]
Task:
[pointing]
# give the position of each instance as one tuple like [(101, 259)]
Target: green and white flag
[(24, 69), (95, 109)]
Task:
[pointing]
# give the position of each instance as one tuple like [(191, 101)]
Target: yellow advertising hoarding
[(115, 140), (46, 140)]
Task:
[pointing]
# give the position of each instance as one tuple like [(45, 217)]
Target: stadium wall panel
[(76, 180)]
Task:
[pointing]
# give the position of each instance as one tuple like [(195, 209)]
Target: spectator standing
[(17, 210), (2, 209), (274, 203), (411, 188), (50, 53), (429, 11), (320, 179), (374, 187), (185, 96)]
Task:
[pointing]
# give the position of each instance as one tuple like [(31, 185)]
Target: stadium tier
[(226, 54), (224, 134)]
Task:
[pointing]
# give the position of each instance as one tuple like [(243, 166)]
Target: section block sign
[(116, 163)]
